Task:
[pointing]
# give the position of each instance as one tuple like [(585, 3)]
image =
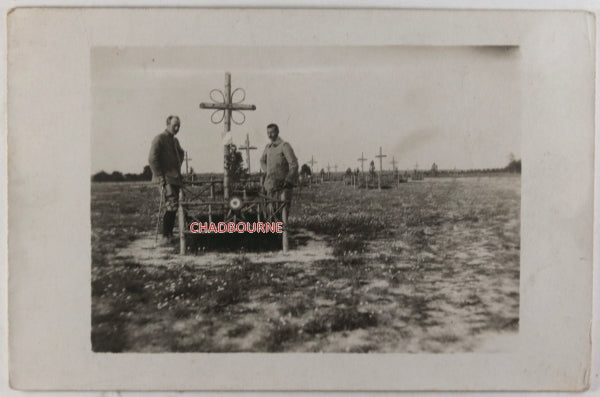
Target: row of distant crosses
[(247, 148), (362, 160)]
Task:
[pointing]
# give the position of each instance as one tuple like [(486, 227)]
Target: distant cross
[(247, 148), (312, 162), (395, 170), (362, 160), (226, 105), (335, 167), (380, 156), (328, 168), (187, 160)]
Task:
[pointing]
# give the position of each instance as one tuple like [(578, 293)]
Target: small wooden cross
[(362, 160), (312, 162), (187, 159), (394, 162), (380, 156), (247, 148)]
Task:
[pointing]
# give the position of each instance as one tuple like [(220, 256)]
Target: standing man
[(281, 168), (165, 159)]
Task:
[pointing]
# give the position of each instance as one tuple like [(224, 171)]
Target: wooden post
[(227, 119), (394, 170), (284, 236), (181, 224), (227, 124)]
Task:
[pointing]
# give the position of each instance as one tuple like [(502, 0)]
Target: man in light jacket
[(280, 165)]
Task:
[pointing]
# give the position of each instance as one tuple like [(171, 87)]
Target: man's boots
[(168, 223)]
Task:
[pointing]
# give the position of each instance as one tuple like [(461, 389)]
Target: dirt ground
[(431, 266)]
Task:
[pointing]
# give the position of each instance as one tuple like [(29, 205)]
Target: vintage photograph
[(341, 199)]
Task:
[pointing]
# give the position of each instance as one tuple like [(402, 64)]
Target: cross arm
[(241, 106), (223, 106), (205, 105)]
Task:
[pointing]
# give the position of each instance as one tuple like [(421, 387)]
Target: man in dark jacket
[(165, 159), (281, 167)]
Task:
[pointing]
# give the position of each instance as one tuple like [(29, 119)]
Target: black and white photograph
[(300, 199), (342, 199)]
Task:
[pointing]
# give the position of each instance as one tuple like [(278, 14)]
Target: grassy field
[(432, 266)]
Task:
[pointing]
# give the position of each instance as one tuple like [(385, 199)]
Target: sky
[(455, 106)]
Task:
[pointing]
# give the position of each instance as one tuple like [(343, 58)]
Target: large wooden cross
[(247, 148), (226, 105), (380, 156)]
